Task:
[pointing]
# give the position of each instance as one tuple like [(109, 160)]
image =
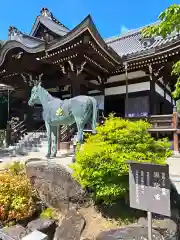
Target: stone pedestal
[(64, 147), (36, 235)]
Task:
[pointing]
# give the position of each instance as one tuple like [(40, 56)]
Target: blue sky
[(110, 16)]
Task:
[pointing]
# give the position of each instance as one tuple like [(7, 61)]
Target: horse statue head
[(36, 92)]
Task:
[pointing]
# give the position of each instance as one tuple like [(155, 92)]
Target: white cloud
[(124, 29)]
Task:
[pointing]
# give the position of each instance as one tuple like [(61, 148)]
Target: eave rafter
[(76, 58), (161, 57), (96, 50), (92, 62), (65, 59), (10, 75), (61, 51)]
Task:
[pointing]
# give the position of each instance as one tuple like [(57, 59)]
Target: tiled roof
[(59, 29), (131, 43), (2, 43), (48, 20)]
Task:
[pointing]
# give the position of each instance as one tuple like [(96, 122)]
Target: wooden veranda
[(165, 125)]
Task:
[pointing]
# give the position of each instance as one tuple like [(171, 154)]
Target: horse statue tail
[(94, 113)]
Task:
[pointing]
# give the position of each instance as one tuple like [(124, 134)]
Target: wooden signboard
[(149, 187)]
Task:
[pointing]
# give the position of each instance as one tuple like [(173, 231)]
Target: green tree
[(169, 23)]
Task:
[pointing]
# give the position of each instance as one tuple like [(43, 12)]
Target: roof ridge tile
[(129, 33)]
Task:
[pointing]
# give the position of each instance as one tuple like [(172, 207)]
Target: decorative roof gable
[(50, 23), (26, 40)]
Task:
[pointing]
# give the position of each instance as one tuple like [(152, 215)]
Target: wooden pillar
[(103, 93), (77, 87), (175, 133), (152, 93), (127, 93), (76, 76)]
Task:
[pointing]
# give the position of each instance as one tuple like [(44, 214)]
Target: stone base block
[(36, 235)]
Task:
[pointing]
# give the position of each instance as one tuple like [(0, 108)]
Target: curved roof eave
[(9, 45), (86, 24), (50, 24)]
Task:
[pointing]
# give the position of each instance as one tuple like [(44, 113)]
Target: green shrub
[(16, 194), (48, 213), (101, 162)]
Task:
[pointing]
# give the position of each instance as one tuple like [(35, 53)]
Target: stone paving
[(62, 158)]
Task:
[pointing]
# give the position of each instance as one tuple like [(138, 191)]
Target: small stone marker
[(36, 235)]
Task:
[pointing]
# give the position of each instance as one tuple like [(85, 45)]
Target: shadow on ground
[(4, 153), (121, 212)]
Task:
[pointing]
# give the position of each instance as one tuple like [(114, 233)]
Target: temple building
[(127, 74)]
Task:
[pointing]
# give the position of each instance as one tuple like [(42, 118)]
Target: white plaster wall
[(52, 90), (93, 91), (122, 77), (159, 90), (137, 87), (66, 96), (100, 101), (168, 98)]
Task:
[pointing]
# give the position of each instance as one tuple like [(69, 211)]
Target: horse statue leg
[(54, 132), (80, 135), (48, 129), (79, 139)]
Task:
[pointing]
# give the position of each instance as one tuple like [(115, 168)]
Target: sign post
[(149, 225), (149, 189)]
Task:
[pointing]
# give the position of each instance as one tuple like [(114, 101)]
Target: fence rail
[(169, 123)]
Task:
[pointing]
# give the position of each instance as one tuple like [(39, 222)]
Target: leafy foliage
[(16, 194), (176, 71), (178, 106), (101, 164), (48, 213), (169, 22)]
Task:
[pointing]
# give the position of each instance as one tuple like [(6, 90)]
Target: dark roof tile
[(131, 42)]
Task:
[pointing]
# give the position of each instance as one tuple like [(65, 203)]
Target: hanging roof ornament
[(13, 31), (46, 13)]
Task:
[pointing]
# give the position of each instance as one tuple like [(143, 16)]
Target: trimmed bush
[(16, 194), (101, 162)]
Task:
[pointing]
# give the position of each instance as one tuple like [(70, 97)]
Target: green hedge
[(101, 162)]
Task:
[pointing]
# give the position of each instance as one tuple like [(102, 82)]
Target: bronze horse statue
[(80, 110)]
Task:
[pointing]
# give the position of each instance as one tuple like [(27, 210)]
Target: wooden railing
[(18, 131), (66, 133), (169, 123), (15, 131)]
